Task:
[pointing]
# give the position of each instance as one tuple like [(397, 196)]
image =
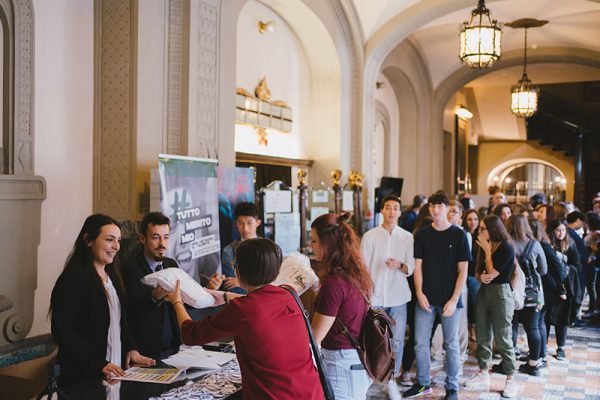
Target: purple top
[(339, 298)]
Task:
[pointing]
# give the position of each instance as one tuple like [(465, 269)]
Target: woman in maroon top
[(345, 282), (270, 334)]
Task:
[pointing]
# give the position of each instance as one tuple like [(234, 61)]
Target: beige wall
[(492, 154), (63, 122)]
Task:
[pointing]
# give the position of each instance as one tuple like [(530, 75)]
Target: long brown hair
[(519, 228), (498, 235), (341, 251)]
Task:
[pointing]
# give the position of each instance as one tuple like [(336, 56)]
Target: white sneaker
[(393, 391), (479, 380), (511, 389), (405, 379)]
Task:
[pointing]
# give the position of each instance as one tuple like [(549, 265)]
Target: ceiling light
[(480, 39), (524, 95)]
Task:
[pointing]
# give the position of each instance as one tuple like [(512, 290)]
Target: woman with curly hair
[(345, 286)]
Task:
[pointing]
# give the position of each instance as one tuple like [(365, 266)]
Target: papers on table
[(152, 375), (197, 357)]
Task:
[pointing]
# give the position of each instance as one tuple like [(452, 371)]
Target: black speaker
[(388, 185)]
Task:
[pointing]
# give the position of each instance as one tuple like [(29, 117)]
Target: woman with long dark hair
[(87, 310), (529, 316), (470, 223), (345, 286), (562, 314), (552, 282), (495, 303)]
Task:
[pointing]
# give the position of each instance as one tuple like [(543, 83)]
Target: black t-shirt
[(504, 262), (441, 251)]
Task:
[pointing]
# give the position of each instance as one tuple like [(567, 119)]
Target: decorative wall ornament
[(206, 63), (262, 113), (114, 133), (175, 140)]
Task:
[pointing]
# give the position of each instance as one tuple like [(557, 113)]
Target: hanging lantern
[(524, 98), (524, 95), (480, 39)]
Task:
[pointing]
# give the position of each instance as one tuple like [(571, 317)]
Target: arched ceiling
[(573, 24), (561, 48)]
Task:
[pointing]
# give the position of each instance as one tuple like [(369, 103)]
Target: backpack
[(518, 286), (374, 345), (534, 295)]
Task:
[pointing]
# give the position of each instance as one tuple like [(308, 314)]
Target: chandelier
[(480, 39), (524, 95)]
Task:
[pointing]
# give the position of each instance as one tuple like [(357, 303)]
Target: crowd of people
[(436, 266)]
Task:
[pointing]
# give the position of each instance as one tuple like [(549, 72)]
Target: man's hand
[(159, 293), (215, 281), (393, 263), (230, 283), (423, 302), (449, 308)]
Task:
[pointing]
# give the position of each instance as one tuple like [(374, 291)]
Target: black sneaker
[(417, 390), (498, 368), (532, 370), (451, 394), (560, 354)]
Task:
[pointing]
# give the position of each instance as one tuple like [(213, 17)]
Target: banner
[(188, 196), (236, 185)]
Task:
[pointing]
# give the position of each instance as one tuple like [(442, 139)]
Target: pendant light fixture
[(480, 39), (524, 95)]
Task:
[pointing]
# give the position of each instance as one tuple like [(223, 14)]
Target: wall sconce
[(463, 113), (268, 26), (379, 85)]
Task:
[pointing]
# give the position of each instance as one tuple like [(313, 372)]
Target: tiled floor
[(578, 377)]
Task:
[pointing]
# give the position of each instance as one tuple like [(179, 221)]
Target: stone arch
[(383, 116), (340, 24), (502, 169)]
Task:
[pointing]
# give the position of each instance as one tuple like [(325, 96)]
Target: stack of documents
[(197, 357)]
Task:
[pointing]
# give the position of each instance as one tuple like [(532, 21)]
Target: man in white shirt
[(388, 254)]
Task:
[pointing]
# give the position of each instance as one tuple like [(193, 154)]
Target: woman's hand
[(134, 357), (111, 371), (485, 278), (485, 245), (230, 283), (175, 295), (215, 281)]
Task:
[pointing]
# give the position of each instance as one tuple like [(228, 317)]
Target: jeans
[(495, 308), (530, 318), (543, 332), (560, 328), (423, 326), (348, 382), (398, 314), (591, 284)]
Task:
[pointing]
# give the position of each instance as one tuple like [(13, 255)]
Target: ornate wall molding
[(114, 109), (175, 140), (207, 78), (20, 111)]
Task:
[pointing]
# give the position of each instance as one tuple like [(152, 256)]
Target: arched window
[(521, 180)]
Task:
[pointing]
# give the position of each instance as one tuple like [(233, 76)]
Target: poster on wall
[(188, 196), (236, 185), (287, 232)]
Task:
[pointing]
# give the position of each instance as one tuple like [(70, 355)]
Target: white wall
[(63, 115), (387, 97), (278, 57)]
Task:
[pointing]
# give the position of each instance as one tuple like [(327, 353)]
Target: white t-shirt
[(391, 286)]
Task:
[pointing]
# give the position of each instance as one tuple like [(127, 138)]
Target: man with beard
[(151, 319)]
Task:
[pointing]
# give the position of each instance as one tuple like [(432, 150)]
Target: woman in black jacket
[(552, 283), (560, 314), (88, 322)]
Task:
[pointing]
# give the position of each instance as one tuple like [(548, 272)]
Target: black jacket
[(80, 320), (554, 281), (146, 317)]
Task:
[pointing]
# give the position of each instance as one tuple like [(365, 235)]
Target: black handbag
[(327, 389)]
